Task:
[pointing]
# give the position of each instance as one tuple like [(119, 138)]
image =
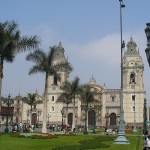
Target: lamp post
[(28, 111), (39, 113), (48, 118), (121, 139), (85, 123), (147, 50), (134, 126), (107, 117), (145, 118), (8, 102), (62, 125)]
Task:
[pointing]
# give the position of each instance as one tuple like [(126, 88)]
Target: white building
[(107, 109)]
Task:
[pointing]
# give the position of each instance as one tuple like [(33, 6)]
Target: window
[(55, 80), (133, 97), (113, 98), (52, 98), (132, 78), (133, 108), (52, 108)]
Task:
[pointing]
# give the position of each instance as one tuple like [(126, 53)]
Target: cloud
[(100, 49)]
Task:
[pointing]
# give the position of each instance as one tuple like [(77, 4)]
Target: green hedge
[(95, 143)]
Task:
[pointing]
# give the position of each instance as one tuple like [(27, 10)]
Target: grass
[(15, 143)]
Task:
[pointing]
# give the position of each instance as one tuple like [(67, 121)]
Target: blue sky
[(89, 31)]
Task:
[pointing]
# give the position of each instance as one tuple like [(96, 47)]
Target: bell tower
[(133, 84), (53, 107)]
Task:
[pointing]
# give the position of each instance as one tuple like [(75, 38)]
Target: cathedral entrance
[(70, 116), (34, 119), (91, 117), (112, 119)]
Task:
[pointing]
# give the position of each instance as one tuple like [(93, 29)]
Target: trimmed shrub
[(44, 136), (18, 135), (68, 134), (88, 144), (69, 147)]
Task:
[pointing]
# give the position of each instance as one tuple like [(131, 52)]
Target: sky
[(89, 31)]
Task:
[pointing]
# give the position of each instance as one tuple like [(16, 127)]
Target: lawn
[(16, 143)]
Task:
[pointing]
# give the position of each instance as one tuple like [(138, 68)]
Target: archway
[(91, 118), (34, 119), (70, 117), (112, 119)]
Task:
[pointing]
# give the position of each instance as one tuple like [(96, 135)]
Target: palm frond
[(87, 95), (37, 56), (27, 43), (66, 66), (8, 53), (65, 98), (36, 69), (51, 54)]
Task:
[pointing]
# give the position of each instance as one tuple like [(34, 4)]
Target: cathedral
[(105, 112)]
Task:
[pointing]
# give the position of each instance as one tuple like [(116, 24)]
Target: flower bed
[(128, 131)]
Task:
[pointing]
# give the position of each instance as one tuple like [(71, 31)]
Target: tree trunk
[(73, 119), (30, 116), (67, 114), (1, 78), (44, 127)]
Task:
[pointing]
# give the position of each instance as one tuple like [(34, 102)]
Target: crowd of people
[(19, 127)]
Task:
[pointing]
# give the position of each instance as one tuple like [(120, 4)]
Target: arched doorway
[(112, 119), (34, 119), (70, 117), (91, 118)]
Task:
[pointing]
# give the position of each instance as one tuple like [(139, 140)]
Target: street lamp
[(145, 131), (134, 126), (147, 51), (48, 118), (8, 103), (121, 139), (62, 125), (28, 112), (39, 113)]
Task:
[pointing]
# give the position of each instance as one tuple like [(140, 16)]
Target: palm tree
[(44, 64), (65, 98), (87, 95), (73, 88), (11, 43), (31, 100)]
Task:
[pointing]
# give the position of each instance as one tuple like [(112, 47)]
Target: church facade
[(105, 112)]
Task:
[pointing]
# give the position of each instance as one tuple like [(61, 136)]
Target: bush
[(88, 144), (69, 147), (44, 136), (35, 136), (68, 134), (18, 135)]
